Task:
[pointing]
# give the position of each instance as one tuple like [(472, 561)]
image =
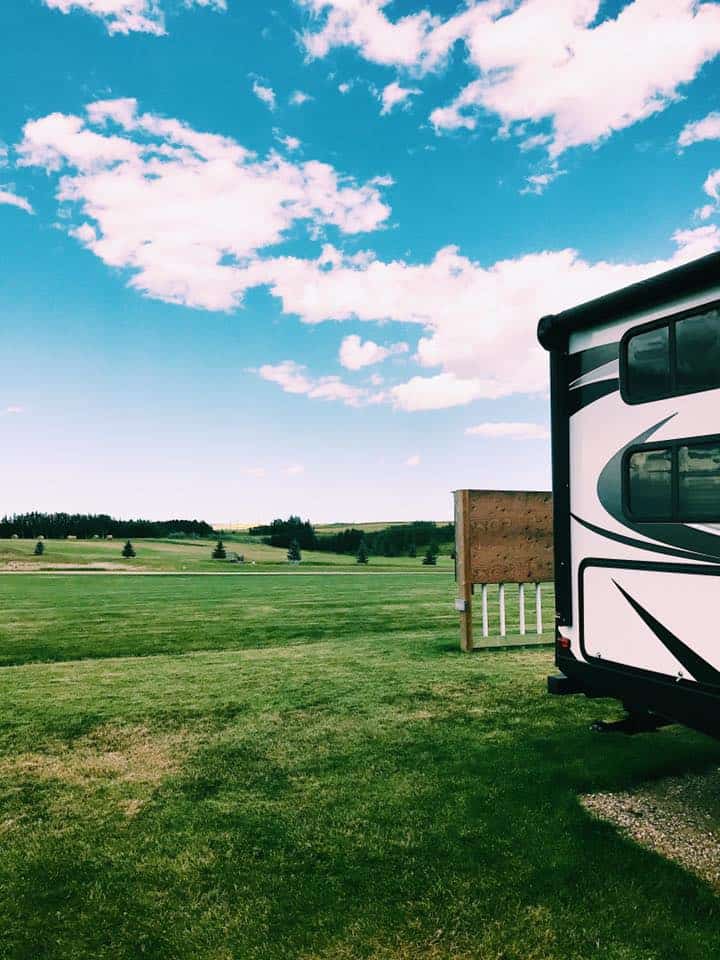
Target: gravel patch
[(678, 817)]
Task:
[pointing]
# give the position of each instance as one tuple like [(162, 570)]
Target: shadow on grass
[(449, 836)]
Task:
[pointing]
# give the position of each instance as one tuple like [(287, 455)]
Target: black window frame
[(670, 321), (673, 446)]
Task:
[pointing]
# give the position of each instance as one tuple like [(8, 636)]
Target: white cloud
[(512, 431), (293, 378), (265, 94), (355, 354), (362, 24), (537, 183), (705, 212), (128, 16), (712, 189), (298, 98), (257, 473), (290, 143), (538, 60), (190, 216), (706, 129), (487, 352), (12, 199), (185, 212), (14, 409), (393, 94), (413, 461), (294, 470), (344, 87)]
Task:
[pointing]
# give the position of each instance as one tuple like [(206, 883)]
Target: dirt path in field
[(27, 566)]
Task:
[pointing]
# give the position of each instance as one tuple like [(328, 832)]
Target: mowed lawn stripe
[(68, 618)]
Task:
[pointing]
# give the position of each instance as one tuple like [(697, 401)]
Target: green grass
[(307, 768), (191, 556)]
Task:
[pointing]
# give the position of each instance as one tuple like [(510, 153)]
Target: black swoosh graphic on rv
[(581, 397), (699, 668), (585, 361), (643, 544), (609, 491)]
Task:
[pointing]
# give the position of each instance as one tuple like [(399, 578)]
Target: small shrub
[(128, 550), (39, 548), (363, 556), (293, 554), (430, 558), (219, 553)]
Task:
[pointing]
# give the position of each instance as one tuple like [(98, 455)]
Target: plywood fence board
[(504, 536)]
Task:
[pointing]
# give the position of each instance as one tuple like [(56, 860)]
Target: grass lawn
[(299, 767), (192, 556)]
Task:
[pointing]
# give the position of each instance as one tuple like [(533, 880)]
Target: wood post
[(463, 568), (521, 605)]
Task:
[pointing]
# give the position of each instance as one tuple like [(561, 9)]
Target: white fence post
[(485, 625), (521, 605), (501, 597), (538, 608)]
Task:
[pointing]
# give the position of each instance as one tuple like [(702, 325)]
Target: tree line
[(397, 540), (57, 526)]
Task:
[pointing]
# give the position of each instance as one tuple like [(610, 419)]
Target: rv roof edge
[(553, 329)]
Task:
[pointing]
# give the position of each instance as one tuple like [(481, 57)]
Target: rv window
[(698, 352), (648, 365), (699, 481), (650, 484)]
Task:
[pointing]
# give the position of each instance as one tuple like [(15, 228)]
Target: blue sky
[(328, 305)]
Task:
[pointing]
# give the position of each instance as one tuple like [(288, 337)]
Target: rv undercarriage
[(650, 701)]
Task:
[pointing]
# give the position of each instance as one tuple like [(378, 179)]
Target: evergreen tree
[(430, 558), (293, 554), (362, 556), (128, 550), (219, 552), (39, 548)]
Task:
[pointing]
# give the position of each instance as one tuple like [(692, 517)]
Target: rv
[(635, 408)]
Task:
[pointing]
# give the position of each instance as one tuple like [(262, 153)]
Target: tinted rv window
[(699, 481), (698, 352), (650, 484), (648, 365)]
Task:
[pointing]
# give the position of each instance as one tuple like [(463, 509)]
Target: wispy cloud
[(706, 129), (293, 377), (12, 199), (356, 353), (129, 16), (509, 431), (265, 93), (393, 95)]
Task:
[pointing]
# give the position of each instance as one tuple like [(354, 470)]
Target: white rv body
[(637, 600)]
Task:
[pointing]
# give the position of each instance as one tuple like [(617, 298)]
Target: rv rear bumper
[(681, 701)]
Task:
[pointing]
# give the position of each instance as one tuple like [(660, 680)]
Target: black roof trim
[(692, 277)]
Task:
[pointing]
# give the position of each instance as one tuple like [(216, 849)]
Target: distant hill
[(323, 528)]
